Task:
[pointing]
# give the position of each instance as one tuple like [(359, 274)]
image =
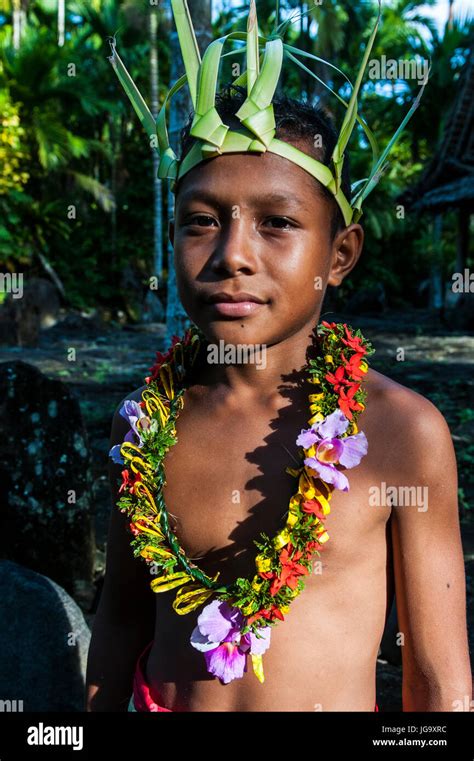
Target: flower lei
[(237, 623)]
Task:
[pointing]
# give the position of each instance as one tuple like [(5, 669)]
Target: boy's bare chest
[(226, 483)]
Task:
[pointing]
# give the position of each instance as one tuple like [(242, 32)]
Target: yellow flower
[(363, 367), (328, 359), (314, 380), (315, 397), (263, 564), (292, 519), (316, 418), (323, 537), (306, 487), (281, 539), (149, 550), (190, 597), (295, 501), (169, 581)]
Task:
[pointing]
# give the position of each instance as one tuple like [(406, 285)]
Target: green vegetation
[(76, 173)]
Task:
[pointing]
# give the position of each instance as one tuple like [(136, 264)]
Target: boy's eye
[(280, 222), (196, 220)]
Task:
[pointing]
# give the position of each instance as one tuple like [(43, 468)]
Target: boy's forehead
[(254, 178)]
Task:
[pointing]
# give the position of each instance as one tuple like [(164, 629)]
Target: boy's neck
[(272, 369)]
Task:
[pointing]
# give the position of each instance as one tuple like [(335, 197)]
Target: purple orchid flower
[(218, 636), (132, 412), (332, 450)]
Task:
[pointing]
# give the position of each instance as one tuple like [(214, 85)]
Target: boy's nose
[(236, 247)]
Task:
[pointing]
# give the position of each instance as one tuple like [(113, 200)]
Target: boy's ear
[(346, 250), (171, 231)]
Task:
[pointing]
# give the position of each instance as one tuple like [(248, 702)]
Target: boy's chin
[(235, 331)]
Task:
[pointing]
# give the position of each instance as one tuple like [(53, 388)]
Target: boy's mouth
[(234, 304)]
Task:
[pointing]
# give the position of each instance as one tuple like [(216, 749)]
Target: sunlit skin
[(226, 479)]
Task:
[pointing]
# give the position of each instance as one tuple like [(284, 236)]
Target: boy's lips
[(235, 304)]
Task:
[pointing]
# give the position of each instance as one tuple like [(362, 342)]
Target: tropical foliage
[(76, 174)]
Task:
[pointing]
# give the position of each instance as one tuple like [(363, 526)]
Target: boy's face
[(255, 223)]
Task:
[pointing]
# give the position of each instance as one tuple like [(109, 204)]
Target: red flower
[(269, 615), (354, 342), (337, 379), (162, 358), (352, 366), (330, 325), (347, 402), (312, 546), (290, 571), (313, 506), (126, 481), (129, 482)]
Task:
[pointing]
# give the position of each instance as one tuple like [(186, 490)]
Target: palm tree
[(61, 21), (176, 318), (18, 21), (154, 20)]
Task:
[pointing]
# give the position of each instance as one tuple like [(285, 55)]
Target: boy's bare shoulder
[(395, 400), (406, 423)]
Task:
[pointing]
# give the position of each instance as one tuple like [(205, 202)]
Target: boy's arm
[(125, 619), (429, 568)]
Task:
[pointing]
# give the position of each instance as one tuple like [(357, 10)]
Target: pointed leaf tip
[(252, 18)]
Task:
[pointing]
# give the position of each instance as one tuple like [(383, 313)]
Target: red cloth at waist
[(143, 698)]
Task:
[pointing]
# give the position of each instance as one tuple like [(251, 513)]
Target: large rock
[(27, 310), (44, 642), (46, 520)]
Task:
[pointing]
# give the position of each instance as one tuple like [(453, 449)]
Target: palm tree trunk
[(157, 198), (61, 21), (181, 104), (18, 23), (436, 273), (450, 15)]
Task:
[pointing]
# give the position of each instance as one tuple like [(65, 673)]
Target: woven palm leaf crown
[(264, 59)]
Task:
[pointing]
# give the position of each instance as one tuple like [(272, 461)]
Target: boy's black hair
[(294, 119)]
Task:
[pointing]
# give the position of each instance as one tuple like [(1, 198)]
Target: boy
[(236, 432)]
